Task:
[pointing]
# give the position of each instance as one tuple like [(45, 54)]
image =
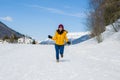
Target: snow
[(75, 35), (85, 61)]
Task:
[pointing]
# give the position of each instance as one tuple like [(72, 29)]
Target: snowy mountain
[(75, 35), (74, 38), (85, 61), (47, 41), (81, 39)]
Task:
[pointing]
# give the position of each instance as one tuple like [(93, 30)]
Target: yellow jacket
[(60, 39)]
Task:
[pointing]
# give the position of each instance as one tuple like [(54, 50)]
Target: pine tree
[(5, 37)]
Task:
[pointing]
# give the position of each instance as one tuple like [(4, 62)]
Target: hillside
[(86, 61), (5, 30)]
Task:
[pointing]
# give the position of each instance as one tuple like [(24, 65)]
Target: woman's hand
[(68, 42), (49, 36)]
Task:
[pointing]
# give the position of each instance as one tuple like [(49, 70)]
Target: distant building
[(6, 41), (25, 40), (1, 41)]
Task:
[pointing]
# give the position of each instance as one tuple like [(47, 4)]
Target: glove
[(49, 36), (68, 43)]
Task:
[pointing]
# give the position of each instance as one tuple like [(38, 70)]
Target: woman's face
[(60, 28)]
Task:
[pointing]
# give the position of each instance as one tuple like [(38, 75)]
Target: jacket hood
[(61, 32)]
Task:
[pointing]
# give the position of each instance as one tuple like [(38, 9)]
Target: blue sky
[(39, 18)]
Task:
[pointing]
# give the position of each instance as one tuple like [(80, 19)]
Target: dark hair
[(60, 25)]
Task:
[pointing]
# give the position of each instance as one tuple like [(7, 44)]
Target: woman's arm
[(55, 36), (66, 39)]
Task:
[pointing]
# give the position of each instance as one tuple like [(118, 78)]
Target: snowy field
[(86, 61)]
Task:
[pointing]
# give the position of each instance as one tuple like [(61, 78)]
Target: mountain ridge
[(7, 31)]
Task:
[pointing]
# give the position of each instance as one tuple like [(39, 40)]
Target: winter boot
[(57, 60), (61, 55)]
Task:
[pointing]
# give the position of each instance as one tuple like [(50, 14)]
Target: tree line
[(101, 14), (12, 39)]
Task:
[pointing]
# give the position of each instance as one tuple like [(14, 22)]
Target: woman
[(60, 38)]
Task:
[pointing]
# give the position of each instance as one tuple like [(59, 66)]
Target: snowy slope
[(86, 61)]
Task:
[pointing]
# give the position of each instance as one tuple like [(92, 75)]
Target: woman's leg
[(62, 50), (57, 51)]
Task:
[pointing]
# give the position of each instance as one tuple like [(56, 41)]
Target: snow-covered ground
[(86, 61)]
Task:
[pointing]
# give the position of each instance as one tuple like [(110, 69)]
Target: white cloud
[(57, 11), (52, 10), (7, 18)]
